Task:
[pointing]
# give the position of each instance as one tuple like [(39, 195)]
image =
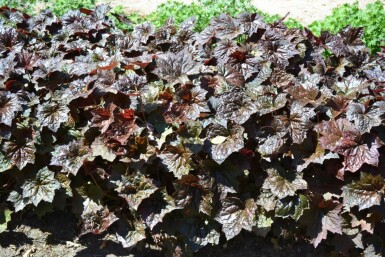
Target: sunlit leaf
[(42, 188), (70, 157), (236, 215), (283, 183), (364, 193)]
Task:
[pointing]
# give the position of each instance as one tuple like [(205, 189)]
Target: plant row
[(371, 18)]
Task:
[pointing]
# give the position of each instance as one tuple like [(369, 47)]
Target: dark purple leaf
[(143, 31), (172, 67), (337, 136), (323, 216), (152, 210), (9, 40), (319, 156), (5, 164), (226, 27), (232, 76), (335, 44), (103, 117), (96, 218), (299, 122), (70, 157), (236, 106), (223, 50), (236, 215), (48, 66), (52, 114), (9, 106), (283, 183), (280, 51), (376, 74), (135, 189), (271, 137), (192, 195), (177, 160), (365, 119), (225, 141), (349, 87), (362, 153), (20, 153), (7, 67), (42, 188)]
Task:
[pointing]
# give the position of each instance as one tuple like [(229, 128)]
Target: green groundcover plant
[(372, 18), (183, 139), (205, 10)]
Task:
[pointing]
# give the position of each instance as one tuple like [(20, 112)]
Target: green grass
[(372, 18)]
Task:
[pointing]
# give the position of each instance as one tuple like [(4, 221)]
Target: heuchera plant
[(184, 139)]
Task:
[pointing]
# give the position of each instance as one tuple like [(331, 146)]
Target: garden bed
[(188, 141)]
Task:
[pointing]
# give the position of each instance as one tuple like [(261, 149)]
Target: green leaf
[(263, 225), (133, 236), (52, 114), (5, 217), (292, 207), (364, 193), (5, 164)]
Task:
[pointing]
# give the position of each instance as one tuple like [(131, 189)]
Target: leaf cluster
[(372, 18), (184, 139)]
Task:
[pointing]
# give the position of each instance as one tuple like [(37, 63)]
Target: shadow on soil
[(56, 235), (14, 238)]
